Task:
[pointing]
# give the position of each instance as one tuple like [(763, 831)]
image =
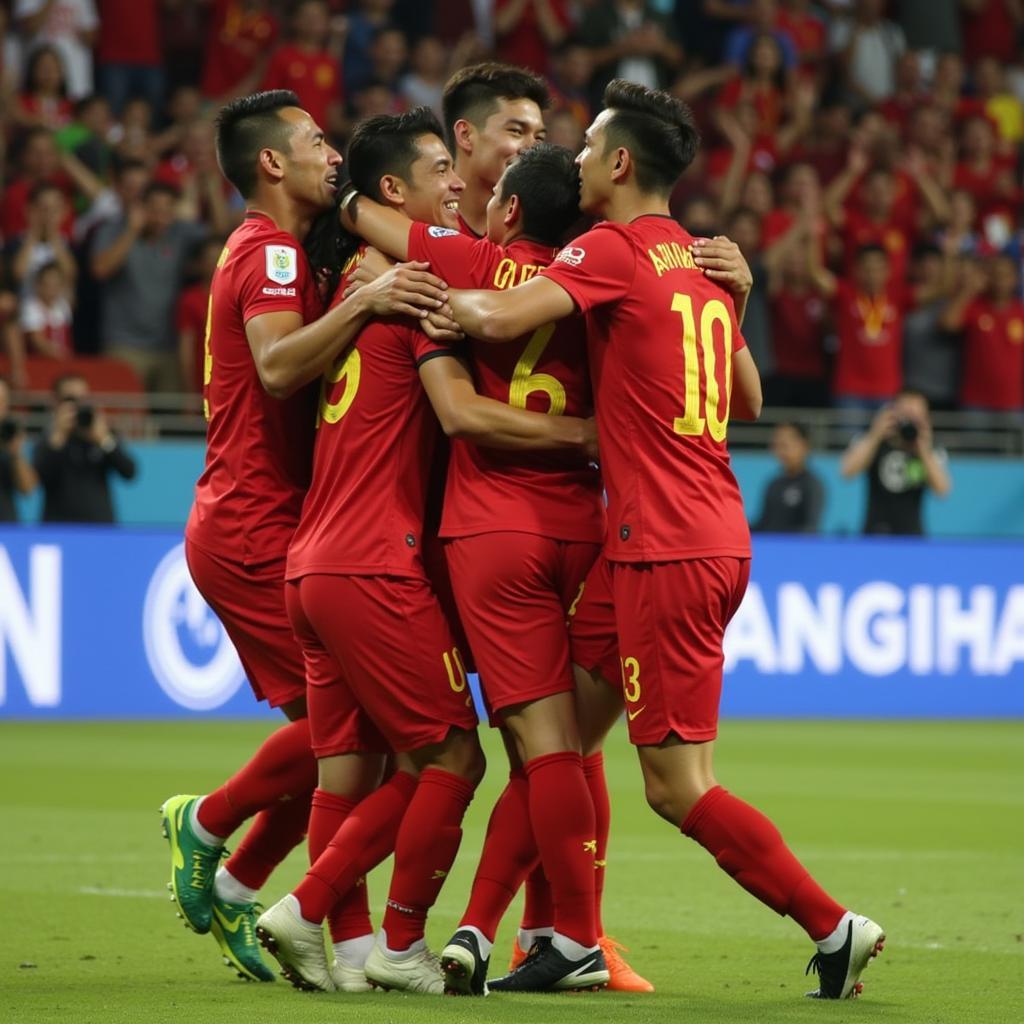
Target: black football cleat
[(465, 969), (546, 970), (839, 972)]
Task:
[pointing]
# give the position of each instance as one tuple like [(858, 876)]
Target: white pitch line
[(137, 894)]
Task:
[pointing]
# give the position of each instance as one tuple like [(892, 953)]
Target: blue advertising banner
[(105, 623)]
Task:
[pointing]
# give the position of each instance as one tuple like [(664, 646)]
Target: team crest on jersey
[(282, 266), (571, 254), (435, 232)]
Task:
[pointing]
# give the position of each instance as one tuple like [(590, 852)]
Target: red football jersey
[(554, 494), (798, 333), (235, 40), (193, 305), (376, 433), (859, 231), (661, 338), (314, 77), (258, 448), (993, 371), (869, 363)]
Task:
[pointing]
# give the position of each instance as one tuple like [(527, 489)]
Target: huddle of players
[(522, 525)]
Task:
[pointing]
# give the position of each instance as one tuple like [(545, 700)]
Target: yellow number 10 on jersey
[(692, 423)]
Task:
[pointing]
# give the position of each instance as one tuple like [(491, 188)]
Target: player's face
[(496, 210), (311, 165), (873, 272), (789, 448), (595, 167), (516, 125), (433, 190)]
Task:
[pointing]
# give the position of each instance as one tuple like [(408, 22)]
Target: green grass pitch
[(920, 825)]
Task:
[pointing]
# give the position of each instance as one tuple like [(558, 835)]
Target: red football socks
[(538, 907), (424, 853), (749, 847), (593, 772), (283, 767), (508, 855), (562, 815), (334, 886), (274, 833), (349, 916)]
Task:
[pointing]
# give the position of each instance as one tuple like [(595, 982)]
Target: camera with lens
[(10, 428), (908, 430), (85, 416)]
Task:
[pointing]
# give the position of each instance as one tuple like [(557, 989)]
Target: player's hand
[(590, 440), (884, 422), (407, 289), (136, 218), (924, 436), (722, 262), (439, 325), (63, 423), (373, 264), (100, 432)]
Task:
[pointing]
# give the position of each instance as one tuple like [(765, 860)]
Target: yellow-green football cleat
[(193, 864), (233, 925)]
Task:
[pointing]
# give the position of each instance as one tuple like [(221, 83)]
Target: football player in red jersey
[(382, 666), (521, 531), (667, 358), (264, 343), (492, 112)]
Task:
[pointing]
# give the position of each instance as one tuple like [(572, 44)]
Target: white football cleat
[(296, 945), (349, 979), (414, 972)]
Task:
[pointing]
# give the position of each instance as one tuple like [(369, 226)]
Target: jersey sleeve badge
[(438, 232), (571, 254), (282, 264)]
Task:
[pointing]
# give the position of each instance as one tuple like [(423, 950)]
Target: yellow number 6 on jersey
[(525, 382)]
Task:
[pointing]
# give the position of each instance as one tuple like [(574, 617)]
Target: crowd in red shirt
[(830, 128)]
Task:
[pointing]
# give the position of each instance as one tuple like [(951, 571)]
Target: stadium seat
[(104, 375)]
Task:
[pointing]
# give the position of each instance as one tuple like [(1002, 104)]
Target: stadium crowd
[(864, 154)]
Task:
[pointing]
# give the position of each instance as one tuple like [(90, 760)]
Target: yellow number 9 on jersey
[(347, 369)]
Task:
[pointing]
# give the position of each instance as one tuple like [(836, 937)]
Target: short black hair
[(798, 428), (547, 181), (57, 385), (656, 128), (386, 144), (161, 188), (472, 94), (247, 125), (872, 249), (41, 187), (125, 166)]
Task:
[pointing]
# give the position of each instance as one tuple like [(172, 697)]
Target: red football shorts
[(671, 619), (593, 641), (435, 565), (392, 658), (249, 601), (514, 592), (337, 722)]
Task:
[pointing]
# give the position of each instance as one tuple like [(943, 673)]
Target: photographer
[(901, 462), (75, 459), (16, 473)]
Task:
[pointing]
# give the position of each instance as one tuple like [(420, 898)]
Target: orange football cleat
[(518, 955), (623, 977)]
